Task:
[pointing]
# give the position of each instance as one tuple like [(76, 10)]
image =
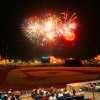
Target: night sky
[(12, 39)]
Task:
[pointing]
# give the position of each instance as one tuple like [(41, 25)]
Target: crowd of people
[(40, 94)]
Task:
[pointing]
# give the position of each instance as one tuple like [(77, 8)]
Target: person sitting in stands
[(13, 97), (2, 96), (60, 93), (74, 92), (66, 93), (52, 97), (10, 91), (44, 97)]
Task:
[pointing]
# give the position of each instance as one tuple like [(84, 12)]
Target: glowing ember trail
[(49, 27)]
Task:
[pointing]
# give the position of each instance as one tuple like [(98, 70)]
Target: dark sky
[(13, 12)]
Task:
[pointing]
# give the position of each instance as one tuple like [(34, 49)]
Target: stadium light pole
[(96, 51), (6, 51)]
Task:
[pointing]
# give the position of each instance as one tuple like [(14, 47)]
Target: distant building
[(45, 59), (72, 62), (97, 57)]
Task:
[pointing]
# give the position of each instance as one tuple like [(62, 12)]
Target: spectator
[(52, 97), (44, 97), (60, 93), (74, 92), (13, 97)]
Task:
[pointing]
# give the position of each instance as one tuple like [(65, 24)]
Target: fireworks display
[(50, 27)]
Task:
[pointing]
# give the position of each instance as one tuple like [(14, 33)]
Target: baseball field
[(28, 77)]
